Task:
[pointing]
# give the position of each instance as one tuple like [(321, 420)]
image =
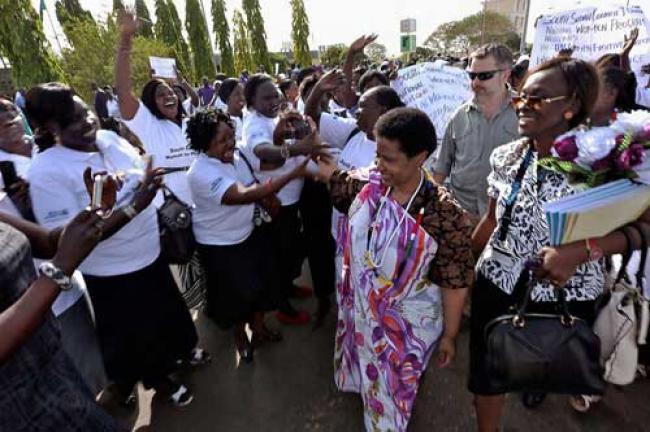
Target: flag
[(41, 9)]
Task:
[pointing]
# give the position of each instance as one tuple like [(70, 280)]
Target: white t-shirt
[(216, 223), (165, 141), (58, 194), (239, 127), (358, 152), (259, 130), (65, 299), (643, 96)]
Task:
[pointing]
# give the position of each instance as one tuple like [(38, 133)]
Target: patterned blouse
[(444, 220), (529, 230)]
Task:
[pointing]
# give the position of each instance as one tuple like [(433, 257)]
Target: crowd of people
[(331, 167)]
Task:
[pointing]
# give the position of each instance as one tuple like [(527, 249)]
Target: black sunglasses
[(534, 102), (483, 76)]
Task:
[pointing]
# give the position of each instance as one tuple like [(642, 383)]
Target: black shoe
[(532, 400), (246, 354)]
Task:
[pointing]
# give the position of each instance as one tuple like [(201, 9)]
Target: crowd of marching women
[(99, 259)]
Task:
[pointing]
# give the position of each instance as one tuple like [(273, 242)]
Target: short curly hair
[(203, 125), (253, 83), (410, 127)]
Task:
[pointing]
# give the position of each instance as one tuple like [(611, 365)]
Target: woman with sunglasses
[(556, 97)]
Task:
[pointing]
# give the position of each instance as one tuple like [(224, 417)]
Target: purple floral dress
[(390, 311)]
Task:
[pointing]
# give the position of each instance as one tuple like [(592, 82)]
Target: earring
[(568, 115)]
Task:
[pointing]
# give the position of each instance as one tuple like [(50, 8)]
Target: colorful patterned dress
[(390, 307)]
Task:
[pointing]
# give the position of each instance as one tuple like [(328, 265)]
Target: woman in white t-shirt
[(142, 323), (70, 308), (271, 156), (231, 100), (156, 119), (235, 254)]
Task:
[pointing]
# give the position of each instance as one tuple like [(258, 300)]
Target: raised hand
[(148, 188), (78, 239), (109, 192), (128, 22), (331, 81), (630, 40), (359, 44)]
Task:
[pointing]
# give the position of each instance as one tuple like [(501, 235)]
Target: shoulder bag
[(177, 242), (616, 324), (267, 208)]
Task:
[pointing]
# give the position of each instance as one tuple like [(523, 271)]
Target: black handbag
[(177, 242), (545, 353)]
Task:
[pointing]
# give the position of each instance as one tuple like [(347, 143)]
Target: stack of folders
[(596, 212)]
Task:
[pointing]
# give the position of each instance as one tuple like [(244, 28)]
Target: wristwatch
[(593, 250), (51, 271)]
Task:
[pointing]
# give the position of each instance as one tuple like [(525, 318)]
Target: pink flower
[(376, 406), (602, 164), (566, 148), (371, 372), (644, 133), (630, 157)]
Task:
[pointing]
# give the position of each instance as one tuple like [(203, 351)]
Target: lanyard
[(506, 219)]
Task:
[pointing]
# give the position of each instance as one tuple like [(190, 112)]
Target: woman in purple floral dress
[(406, 268)]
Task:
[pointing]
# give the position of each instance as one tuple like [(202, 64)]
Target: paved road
[(289, 387)]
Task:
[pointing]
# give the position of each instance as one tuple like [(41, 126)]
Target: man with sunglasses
[(479, 126)]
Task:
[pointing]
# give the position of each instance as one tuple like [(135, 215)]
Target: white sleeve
[(141, 124), (53, 202), (335, 130), (213, 184), (256, 134)]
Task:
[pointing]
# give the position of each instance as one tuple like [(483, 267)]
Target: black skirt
[(240, 279), (490, 302), (143, 324)]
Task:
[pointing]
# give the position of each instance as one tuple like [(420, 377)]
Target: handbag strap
[(531, 266), (640, 273), (506, 219), (622, 272), (248, 164)]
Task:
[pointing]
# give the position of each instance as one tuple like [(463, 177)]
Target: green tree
[(460, 37), (93, 57), (243, 55), (256, 33), (300, 33), (199, 39), (222, 31), (167, 32), (181, 42), (24, 44), (333, 56), (69, 11), (146, 26), (118, 6)]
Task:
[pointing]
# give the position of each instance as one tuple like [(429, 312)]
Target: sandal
[(532, 400), (582, 403), (199, 357), (181, 397)]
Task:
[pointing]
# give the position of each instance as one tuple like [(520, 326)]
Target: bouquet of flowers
[(598, 155)]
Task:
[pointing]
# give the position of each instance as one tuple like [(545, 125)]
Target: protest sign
[(163, 67), (435, 88), (593, 32)]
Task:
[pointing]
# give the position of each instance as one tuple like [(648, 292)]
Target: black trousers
[(316, 211), (288, 249)]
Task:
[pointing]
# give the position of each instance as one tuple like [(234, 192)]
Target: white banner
[(163, 67), (436, 89), (593, 32)]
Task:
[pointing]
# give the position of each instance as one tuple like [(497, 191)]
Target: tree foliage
[(199, 39), (376, 52), (118, 6), (333, 56), (24, 44), (256, 33), (243, 55), (222, 32), (300, 33), (93, 57), (461, 37), (168, 31), (146, 26), (70, 11)]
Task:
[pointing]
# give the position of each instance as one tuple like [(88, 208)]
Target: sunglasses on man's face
[(483, 76), (534, 102)]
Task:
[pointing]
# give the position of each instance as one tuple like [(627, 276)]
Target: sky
[(342, 21)]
